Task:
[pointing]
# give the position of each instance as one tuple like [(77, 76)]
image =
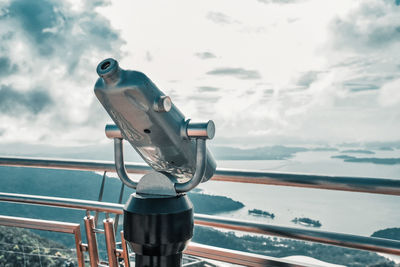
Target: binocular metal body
[(149, 120)]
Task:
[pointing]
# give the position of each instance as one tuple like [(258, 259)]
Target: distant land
[(389, 233), (307, 222), (384, 146), (264, 213), (358, 151), (21, 247), (281, 247), (80, 185), (260, 153), (382, 161), (104, 151)]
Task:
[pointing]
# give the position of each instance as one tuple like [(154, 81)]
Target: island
[(212, 204), (388, 233), (384, 161), (261, 213), (307, 222), (358, 151)]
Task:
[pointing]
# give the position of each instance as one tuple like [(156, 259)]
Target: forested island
[(307, 222), (261, 213), (389, 233), (211, 204), (383, 161)]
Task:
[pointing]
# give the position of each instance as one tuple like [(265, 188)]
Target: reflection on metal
[(112, 131), (120, 164), (354, 184), (238, 257), (53, 226), (201, 161), (91, 241), (338, 239), (110, 242), (198, 176)]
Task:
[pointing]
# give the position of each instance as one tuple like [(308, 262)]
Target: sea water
[(346, 212)]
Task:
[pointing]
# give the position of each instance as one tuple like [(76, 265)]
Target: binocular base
[(158, 228), (171, 260)]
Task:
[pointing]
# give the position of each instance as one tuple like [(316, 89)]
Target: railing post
[(110, 242), (79, 251), (125, 250), (91, 240)]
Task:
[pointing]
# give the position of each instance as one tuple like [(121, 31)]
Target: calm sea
[(356, 213)]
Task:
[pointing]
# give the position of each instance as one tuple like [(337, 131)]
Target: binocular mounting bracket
[(161, 183)]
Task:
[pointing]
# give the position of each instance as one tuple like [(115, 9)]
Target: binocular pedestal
[(158, 228)]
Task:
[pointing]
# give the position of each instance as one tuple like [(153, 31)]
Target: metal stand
[(158, 218), (158, 229)]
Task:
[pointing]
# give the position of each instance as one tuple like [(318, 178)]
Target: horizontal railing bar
[(342, 183), (239, 257), (62, 202), (338, 239), (67, 164), (46, 225), (353, 184)]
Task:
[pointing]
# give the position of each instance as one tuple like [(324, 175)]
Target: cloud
[(48, 55), (6, 67), (16, 103), (307, 78), (390, 94), (279, 1), (208, 89), (239, 73), (56, 31), (205, 55), (205, 98), (360, 87), (220, 18), (149, 57), (372, 25)]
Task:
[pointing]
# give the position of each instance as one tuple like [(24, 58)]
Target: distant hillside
[(260, 153), (358, 151), (20, 247), (80, 185), (280, 247), (383, 161), (389, 233)]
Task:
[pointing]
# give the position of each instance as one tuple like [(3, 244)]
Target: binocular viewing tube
[(158, 217)]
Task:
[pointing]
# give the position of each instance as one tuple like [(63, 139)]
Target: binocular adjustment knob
[(205, 130)]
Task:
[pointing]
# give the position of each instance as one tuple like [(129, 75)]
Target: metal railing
[(355, 184), (45, 225), (342, 183)]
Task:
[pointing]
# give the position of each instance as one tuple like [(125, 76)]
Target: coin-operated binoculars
[(158, 218)]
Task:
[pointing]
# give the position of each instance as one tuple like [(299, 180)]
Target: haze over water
[(347, 212)]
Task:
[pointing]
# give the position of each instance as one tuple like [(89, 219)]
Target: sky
[(266, 71)]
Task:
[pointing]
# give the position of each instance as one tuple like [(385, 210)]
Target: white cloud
[(390, 94), (305, 70)]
